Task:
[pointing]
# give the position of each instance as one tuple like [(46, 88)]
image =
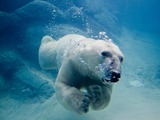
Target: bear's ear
[(47, 53), (47, 39)]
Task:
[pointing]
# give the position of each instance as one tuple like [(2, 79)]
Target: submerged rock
[(66, 4), (18, 77), (38, 83), (76, 16), (40, 11), (7, 19), (8, 62), (11, 5)]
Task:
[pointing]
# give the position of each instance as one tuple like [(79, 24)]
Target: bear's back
[(64, 44)]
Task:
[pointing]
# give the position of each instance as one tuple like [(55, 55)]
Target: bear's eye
[(121, 59), (106, 54)]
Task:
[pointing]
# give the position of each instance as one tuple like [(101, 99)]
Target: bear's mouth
[(111, 77), (109, 80)]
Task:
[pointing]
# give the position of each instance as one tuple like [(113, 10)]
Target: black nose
[(115, 74)]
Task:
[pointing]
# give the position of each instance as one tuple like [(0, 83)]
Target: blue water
[(27, 91)]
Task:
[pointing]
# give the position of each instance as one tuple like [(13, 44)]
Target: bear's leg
[(72, 98), (100, 96)]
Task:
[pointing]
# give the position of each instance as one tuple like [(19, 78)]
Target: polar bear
[(87, 70)]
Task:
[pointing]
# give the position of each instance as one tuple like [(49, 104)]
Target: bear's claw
[(85, 102)]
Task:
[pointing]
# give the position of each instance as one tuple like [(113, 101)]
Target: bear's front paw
[(97, 96), (85, 102), (82, 102)]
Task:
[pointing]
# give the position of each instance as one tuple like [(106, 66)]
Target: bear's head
[(101, 60)]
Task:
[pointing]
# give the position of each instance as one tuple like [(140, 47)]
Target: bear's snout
[(115, 75)]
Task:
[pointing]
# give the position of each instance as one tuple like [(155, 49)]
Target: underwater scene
[(28, 92)]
